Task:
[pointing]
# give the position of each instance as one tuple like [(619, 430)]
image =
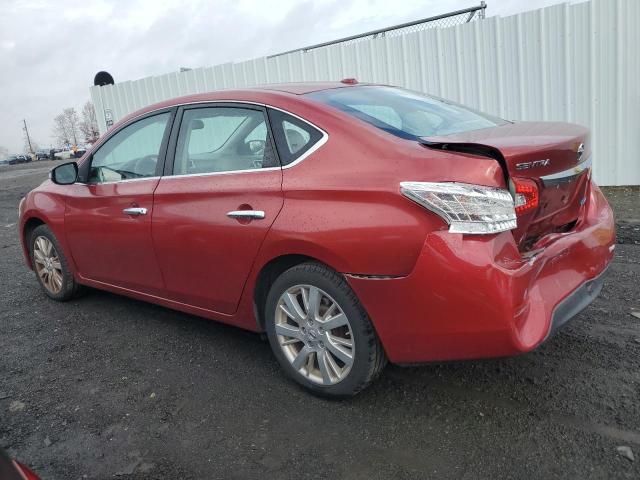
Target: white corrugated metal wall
[(570, 62)]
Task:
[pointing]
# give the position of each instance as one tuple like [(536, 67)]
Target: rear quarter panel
[(343, 204)]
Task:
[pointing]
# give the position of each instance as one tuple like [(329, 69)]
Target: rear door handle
[(135, 211), (258, 214)]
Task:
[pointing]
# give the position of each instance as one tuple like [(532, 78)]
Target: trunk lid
[(554, 155)]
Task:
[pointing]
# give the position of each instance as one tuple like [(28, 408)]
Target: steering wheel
[(104, 174)]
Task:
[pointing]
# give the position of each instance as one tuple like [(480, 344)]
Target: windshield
[(405, 113)]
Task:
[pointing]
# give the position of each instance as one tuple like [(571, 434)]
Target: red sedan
[(353, 223)]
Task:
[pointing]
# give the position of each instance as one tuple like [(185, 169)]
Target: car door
[(221, 191), (108, 212)]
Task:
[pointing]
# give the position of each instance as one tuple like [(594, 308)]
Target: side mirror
[(64, 174)]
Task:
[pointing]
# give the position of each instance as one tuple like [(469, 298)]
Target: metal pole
[(27, 133), (483, 9)]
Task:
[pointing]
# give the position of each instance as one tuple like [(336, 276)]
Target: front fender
[(44, 205)]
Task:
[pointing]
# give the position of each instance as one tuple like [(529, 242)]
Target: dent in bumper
[(475, 297), (577, 301)]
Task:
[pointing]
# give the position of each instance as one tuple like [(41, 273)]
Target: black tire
[(69, 287), (369, 358)]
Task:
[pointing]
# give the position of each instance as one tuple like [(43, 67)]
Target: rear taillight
[(467, 208), (525, 194)]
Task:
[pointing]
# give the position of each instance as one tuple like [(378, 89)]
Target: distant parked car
[(19, 158), (42, 154), (64, 154), (79, 152), (67, 153)]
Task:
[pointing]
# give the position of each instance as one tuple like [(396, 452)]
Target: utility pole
[(27, 134)]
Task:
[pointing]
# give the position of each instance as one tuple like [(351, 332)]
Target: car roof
[(301, 88), (258, 94)]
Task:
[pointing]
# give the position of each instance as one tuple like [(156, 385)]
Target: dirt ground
[(105, 387)]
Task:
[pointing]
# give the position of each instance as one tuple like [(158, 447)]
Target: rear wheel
[(51, 266), (320, 333)]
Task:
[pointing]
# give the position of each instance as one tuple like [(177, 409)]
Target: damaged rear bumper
[(472, 296)]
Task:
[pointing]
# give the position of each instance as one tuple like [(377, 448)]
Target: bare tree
[(66, 127), (60, 130), (89, 124), (73, 123)]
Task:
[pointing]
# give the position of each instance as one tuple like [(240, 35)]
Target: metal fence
[(570, 62), (445, 20)]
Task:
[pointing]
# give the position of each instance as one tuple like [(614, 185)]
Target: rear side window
[(223, 139), (294, 137), (404, 113)]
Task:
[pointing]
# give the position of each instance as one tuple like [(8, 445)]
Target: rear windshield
[(405, 113)]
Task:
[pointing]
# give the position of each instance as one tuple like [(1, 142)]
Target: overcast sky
[(51, 50)]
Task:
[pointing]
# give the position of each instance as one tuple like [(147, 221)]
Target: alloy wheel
[(47, 263), (314, 334)]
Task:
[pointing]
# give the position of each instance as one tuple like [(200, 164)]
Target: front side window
[(133, 152), (222, 139), (404, 113)]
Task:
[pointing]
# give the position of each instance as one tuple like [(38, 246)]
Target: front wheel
[(51, 266), (320, 333)]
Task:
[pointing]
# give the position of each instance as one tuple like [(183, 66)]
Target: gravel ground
[(106, 387)]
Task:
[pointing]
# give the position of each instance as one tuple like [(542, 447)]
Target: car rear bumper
[(577, 301), (477, 297)]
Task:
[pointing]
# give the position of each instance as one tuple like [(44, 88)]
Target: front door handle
[(135, 211), (258, 214)]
